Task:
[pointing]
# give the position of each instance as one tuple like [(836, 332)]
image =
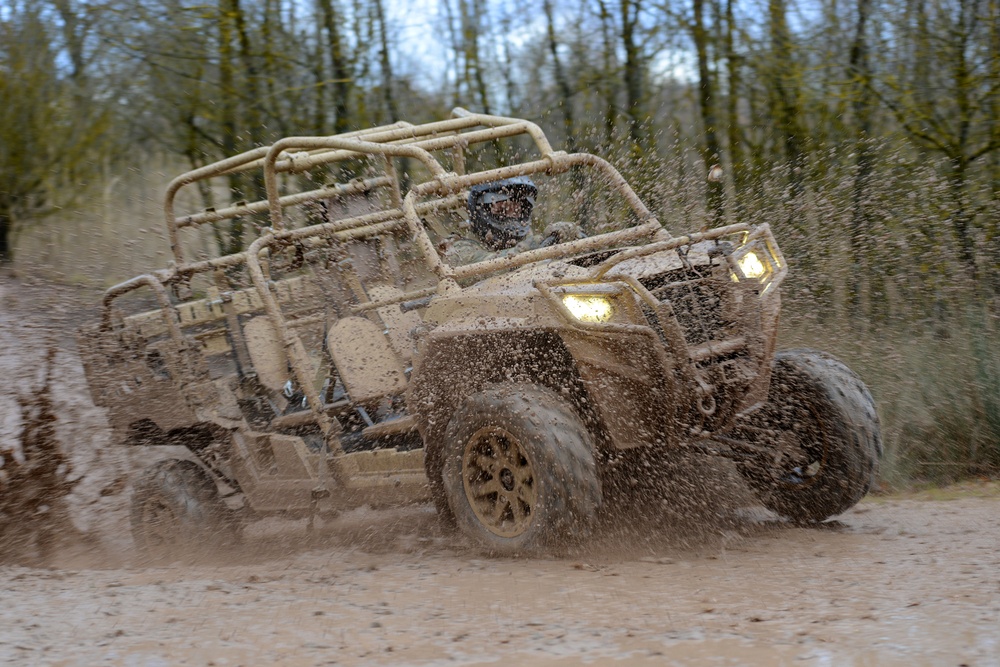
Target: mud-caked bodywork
[(341, 360), (658, 348)]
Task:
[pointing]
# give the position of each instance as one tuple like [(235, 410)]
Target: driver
[(500, 220)]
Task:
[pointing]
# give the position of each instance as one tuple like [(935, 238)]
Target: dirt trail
[(898, 581)]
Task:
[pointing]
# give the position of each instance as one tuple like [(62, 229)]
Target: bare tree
[(712, 150)]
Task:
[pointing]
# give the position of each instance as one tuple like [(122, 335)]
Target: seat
[(367, 364), (267, 353), (399, 325)]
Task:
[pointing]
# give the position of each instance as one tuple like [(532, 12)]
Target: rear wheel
[(821, 434), (176, 509), (519, 470)]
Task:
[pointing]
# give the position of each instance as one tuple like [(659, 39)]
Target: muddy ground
[(707, 578)]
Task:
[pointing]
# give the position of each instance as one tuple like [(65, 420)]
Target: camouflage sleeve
[(466, 251)]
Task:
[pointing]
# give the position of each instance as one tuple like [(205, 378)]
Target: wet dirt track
[(894, 582), (900, 582)]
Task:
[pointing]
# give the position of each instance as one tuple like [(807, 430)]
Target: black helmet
[(497, 223)]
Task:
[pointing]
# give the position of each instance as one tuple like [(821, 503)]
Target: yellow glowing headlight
[(587, 307), (751, 266)]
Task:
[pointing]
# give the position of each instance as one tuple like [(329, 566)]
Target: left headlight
[(588, 307)]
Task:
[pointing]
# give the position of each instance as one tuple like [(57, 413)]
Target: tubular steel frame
[(442, 190)]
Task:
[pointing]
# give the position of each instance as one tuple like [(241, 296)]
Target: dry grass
[(937, 390)]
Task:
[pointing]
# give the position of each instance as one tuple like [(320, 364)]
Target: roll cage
[(439, 189)]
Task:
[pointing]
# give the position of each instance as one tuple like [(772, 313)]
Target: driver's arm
[(563, 231)]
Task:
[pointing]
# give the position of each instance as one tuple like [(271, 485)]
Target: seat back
[(399, 325), (367, 364), (267, 353)]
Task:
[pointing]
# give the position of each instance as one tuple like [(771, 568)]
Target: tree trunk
[(860, 74), (386, 64), (320, 125), (469, 13), (607, 85), (734, 65), (6, 252), (961, 217), (964, 82), (785, 100), (562, 83), (73, 36), (633, 73), (712, 152), (338, 60), (233, 241)]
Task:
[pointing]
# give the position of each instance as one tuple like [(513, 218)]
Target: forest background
[(866, 132)]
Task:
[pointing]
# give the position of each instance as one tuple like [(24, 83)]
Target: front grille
[(696, 301), (706, 310)]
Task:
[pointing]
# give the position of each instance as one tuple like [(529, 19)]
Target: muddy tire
[(176, 510), (519, 470), (822, 432), (433, 466)]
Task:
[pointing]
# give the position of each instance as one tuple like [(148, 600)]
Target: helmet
[(500, 211)]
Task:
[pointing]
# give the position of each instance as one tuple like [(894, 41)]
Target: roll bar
[(299, 154)]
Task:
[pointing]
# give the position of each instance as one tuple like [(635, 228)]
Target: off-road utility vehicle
[(339, 361)]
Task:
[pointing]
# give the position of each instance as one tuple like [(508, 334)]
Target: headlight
[(588, 307), (758, 260), (754, 263), (751, 266)]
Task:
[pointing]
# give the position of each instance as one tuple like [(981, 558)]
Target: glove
[(563, 231)]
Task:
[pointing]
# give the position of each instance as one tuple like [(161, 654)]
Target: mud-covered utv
[(340, 361)]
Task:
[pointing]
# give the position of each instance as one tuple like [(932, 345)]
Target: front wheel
[(820, 432), (519, 470), (176, 509)]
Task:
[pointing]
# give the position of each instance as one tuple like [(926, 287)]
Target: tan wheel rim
[(499, 482)]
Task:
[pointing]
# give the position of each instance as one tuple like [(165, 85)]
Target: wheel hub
[(801, 447)]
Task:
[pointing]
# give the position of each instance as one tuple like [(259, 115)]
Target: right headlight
[(752, 266), (758, 260), (592, 303)]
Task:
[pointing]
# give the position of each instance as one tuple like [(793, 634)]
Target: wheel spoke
[(525, 494), (503, 451), (486, 463), (523, 475), (484, 489), (518, 510), (500, 509)]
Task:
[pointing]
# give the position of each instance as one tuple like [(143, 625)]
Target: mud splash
[(35, 480)]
